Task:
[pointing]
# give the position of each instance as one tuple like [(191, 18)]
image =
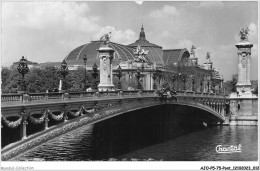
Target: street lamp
[(85, 62), (37, 85), (173, 80), (154, 78), (94, 75), (23, 69), (193, 83), (138, 76), (208, 86), (213, 86), (64, 71), (184, 81), (201, 84), (119, 75), (53, 79)]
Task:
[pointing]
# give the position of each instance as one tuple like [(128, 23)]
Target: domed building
[(156, 58), (76, 57), (124, 54)]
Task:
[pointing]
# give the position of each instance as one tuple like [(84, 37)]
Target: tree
[(230, 85), (12, 83), (5, 74), (234, 82)]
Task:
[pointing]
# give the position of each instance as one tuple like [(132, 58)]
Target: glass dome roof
[(75, 57)]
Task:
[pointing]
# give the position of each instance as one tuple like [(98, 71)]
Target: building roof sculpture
[(208, 60), (140, 54), (155, 53)]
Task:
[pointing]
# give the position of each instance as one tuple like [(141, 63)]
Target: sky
[(48, 31)]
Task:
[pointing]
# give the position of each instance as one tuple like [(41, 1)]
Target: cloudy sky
[(48, 31)]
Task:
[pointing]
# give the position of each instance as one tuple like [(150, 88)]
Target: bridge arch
[(118, 107)]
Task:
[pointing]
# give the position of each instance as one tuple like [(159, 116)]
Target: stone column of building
[(106, 55), (243, 85)]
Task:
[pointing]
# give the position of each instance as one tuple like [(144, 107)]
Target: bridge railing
[(11, 97), (20, 98), (5, 98)]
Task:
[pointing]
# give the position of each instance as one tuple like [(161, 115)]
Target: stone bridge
[(56, 114)]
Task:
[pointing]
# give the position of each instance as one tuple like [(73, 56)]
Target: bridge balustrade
[(11, 97)]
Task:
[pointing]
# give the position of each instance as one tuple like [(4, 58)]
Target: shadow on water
[(142, 128)]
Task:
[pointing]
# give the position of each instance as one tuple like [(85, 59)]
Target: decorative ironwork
[(12, 124), (38, 120), (56, 117), (23, 69)]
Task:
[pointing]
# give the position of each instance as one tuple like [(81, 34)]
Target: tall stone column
[(106, 55), (244, 53)]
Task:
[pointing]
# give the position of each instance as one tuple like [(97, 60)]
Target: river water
[(200, 145)]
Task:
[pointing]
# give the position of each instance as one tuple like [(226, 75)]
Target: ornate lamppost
[(201, 84), (53, 80), (64, 72), (119, 75), (208, 86), (213, 87), (23, 69), (184, 81), (37, 85), (94, 75), (85, 63), (193, 83), (138, 76), (155, 75)]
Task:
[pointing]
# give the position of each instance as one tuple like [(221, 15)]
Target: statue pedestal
[(244, 86)]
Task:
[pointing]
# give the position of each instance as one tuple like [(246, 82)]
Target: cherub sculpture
[(140, 54), (244, 33), (106, 38)]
